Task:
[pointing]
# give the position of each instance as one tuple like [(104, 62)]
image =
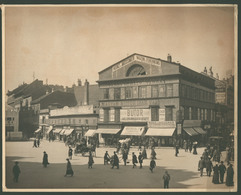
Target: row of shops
[(156, 133)]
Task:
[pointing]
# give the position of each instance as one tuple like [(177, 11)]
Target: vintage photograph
[(119, 98)]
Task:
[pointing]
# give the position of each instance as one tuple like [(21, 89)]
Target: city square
[(182, 169)]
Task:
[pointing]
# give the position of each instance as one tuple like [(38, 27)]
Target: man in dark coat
[(16, 172), (144, 153), (140, 158), (116, 161), (195, 148), (209, 167), (201, 165), (124, 156), (166, 177), (70, 153), (176, 150), (91, 160), (229, 177), (153, 153), (106, 158), (69, 170), (152, 164), (215, 174), (38, 142), (35, 143), (222, 170), (45, 159), (134, 160)]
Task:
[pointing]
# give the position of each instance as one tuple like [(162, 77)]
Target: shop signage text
[(134, 115), (162, 124)]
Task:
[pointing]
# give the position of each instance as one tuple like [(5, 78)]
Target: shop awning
[(90, 133), (37, 131), (107, 131), (50, 129), (190, 131), (57, 130), (62, 132), (160, 132), (133, 131), (68, 131), (200, 130)]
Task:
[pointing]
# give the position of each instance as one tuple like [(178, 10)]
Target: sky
[(64, 44)]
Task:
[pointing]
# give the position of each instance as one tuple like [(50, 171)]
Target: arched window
[(136, 70)]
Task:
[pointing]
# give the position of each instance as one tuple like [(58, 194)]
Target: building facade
[(149, 100)]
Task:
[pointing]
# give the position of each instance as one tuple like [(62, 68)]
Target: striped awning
[(57, 130), (200, 130), (135, 131), (90, 133), (190, 131), (160, 132), (37, 131), (62, 132), (68, 131), (107, 131), (50, 129)]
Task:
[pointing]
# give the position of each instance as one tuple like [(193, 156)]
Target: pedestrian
[(124, 156), (115, 161), (38, 142), (222, 169), (140, 158), (152, 164), (69, 170), (190, 147), (153, 153), (229, 177), (16, 172), (45, 159), (185, 146), (201, 165), (91, 160), (134, 159), (215, 174), (144, 153), (209, 167), (70, 153), (139, 146), (205, 155), (195, 148), (35, 143), (166, 177), (106, 158), (176, 150)]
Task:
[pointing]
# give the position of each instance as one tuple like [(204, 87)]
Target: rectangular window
[(135, 92), (162, 92), (117, 114), (106, 115), (205, 114), (86, 121), (198, 114), (201, 114), (169, 113), (190, 113), (117, 93), (154, 91), (154, 114), (142, 92), (123, 93), (169, 90), (106, 93), (128, 92)]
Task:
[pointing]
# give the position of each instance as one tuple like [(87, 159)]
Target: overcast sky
[(62, 44)]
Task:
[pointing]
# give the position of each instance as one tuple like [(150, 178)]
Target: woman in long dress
[(229, 178), (69, 170), (91, 160), (215, 174), (45, 159)]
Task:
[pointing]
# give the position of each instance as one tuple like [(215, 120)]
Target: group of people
[(190, 146), (36, 142)]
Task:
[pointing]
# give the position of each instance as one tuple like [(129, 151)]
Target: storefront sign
[(161, 114), (162, 124), (129, 103), (72, 110), (134, 115)]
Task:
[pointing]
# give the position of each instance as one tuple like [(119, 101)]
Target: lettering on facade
[(134, 115), (162, 124), (137, 58), (129, 103), (72, 111)]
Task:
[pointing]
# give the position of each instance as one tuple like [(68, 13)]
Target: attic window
[(136, 70)]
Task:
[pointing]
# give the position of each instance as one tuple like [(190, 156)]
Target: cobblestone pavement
[(182, 169)]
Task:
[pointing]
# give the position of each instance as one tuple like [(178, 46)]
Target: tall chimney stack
[(86, 91), (169, 58)]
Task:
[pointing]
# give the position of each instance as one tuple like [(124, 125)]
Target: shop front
[(91, 137), (49, 133), (194, 132), (56, 133), (135, 133), (160, 133)]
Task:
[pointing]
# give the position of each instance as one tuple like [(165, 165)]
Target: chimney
[(169, 58), (79, 82), (86, 92)]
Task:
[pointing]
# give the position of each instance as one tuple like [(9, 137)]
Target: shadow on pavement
[(33, 175)]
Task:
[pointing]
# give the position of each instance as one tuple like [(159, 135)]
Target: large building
[(153, 100)]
